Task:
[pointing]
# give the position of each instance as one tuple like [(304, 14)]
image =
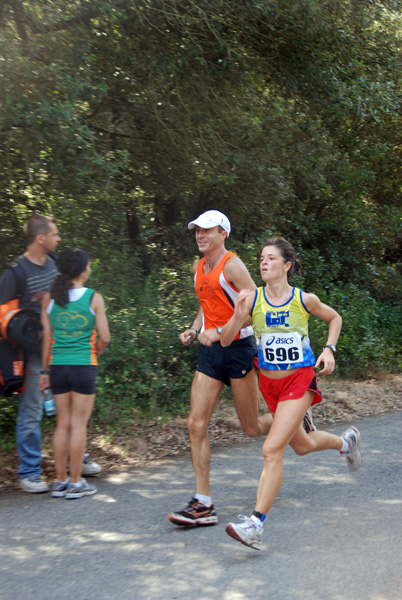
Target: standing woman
[(75, 331), (279, 314)]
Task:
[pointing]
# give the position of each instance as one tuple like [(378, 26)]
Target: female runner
[(279, 314)]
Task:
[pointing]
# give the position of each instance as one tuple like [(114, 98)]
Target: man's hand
[(187, 336), (44, 382)]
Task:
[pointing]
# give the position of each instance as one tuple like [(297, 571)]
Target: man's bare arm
[(237, 274)]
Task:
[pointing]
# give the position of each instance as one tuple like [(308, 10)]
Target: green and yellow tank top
[(74, 333), (281, 332)]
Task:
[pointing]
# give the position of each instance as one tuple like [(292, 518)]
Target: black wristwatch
[(219, 330), (333, 348)]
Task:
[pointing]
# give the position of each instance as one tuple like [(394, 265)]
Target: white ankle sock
[(205, 500), (345, 447), (78, 483)]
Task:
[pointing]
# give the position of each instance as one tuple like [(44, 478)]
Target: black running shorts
[(232, 362), (73, 378)]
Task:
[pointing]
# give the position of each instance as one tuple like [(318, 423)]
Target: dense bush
[(147, 370), (126, 120)]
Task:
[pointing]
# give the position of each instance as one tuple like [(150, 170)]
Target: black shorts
[(232, 362), (73, 378)]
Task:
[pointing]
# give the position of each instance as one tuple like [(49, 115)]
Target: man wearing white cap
[(218, 278)]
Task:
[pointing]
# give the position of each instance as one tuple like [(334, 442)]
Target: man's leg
[(246, 395), (205, 392), (29, 441)]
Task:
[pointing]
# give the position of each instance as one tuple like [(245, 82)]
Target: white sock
[(205, 500), (345, 447)]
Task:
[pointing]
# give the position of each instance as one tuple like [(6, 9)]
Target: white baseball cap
[(210, 219)]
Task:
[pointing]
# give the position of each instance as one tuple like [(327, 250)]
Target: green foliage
[(8, 417), (146, 366), (128, 119), (370, 338)]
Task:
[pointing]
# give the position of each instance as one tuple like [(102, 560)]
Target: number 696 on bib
[(282, 348)]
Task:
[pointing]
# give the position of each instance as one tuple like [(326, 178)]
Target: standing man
[(39, 270), (218, 278)]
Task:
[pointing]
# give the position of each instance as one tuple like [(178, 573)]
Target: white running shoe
[(34, 485), (248, 533), (90, 467), (354, 456)]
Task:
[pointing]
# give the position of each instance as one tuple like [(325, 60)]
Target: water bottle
[(48, 403)]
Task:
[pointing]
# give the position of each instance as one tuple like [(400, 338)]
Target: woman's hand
[(326, 357), (241, 300)]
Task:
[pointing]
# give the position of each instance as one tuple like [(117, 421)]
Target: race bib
[(282, 348)]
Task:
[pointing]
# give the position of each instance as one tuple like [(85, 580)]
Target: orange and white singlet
[(217, 295)]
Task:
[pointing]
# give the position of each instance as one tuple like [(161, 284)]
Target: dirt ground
[(343, 402)]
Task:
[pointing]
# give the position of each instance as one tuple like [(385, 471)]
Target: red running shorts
[(292, 387)]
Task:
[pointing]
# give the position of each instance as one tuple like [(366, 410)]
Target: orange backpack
[(19, 334)]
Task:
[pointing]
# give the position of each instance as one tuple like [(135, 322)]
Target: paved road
[(331, 535)]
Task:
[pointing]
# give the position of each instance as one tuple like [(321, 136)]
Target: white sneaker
[(90, 467), (34, 485), (248, 533), (354, 456)]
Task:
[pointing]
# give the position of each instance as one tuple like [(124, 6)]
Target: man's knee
[(197, 425), (30, 416), (260, 427)]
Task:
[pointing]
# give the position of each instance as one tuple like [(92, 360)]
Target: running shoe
[(194, 514), (59, 488), (308, 422), (354, 456), (248, 533), (80, 489), (90, 467)]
